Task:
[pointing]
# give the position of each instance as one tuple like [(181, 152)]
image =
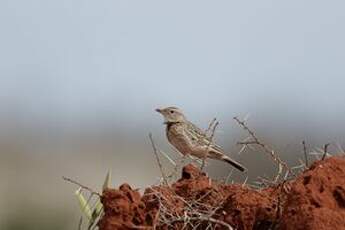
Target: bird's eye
[(172, 111)]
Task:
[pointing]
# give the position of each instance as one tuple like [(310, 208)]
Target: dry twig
[(209, 128), (203, 218), (193, 214), (82, 186), (305, 153), (325, 151), (155, 151), (80, 223), (255, 141)]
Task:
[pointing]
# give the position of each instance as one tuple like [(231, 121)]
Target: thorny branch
[(203, 218), (209, 128), (305, 153), (255, 141), (325, 148), (82, 186), (155, 151), (193, 213)]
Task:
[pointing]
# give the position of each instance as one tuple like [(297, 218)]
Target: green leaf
[(98, 207), (96, 212), (107, 181), (84, 206)]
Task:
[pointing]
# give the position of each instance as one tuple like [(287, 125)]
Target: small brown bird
[(189, 139)]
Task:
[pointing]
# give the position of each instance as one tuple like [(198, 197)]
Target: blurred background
[(79, 82)]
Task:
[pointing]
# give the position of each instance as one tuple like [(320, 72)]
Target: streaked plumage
[(187, 138)]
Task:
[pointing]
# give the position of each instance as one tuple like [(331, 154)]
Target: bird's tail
[(234, 163)]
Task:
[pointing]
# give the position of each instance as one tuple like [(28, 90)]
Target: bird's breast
[(176, 136)]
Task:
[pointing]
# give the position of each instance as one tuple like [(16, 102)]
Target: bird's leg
[(204, 160), (193, 160), (179, 164), (183, 159)]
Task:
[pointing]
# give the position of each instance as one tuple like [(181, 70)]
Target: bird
[(188, 139)]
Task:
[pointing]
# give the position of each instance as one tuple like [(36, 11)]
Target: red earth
[(313, 200)]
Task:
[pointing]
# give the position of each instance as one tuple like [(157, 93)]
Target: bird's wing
[(180, 139), (199, 136)]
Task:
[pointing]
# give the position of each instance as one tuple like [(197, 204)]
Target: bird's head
[(172, 114)]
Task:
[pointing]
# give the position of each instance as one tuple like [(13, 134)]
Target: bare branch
[(155, 151), (82, 186), (209, 128), (204, 218), (305, 153), (193, 214), (80, 223), (247, 142), (325, 151), (245, 181), (255, 141), (228, 176), (340, 149)]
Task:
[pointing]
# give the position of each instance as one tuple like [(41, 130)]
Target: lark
[(187, 138)]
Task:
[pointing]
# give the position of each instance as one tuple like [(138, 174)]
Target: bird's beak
[(158, 110)]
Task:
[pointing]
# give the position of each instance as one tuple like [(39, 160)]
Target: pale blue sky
[(68, 61)]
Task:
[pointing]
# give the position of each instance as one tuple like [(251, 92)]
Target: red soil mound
[(314, 200), (317, 197)]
